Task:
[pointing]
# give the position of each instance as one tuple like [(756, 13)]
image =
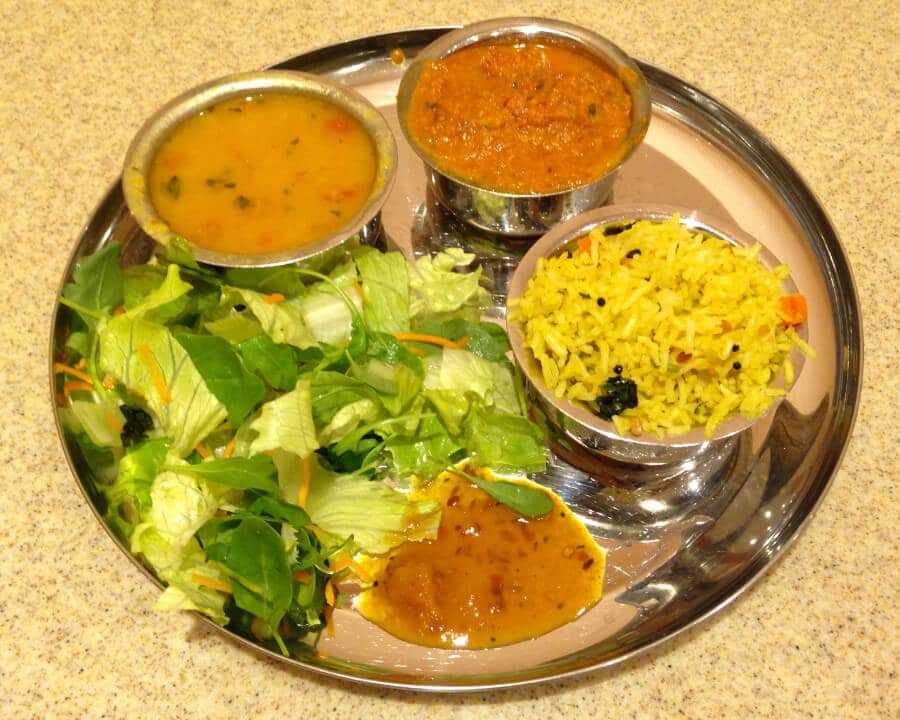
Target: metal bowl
[(524, 215), (576, 423), (155, 130)]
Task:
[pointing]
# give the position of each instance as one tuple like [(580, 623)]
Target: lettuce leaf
[(385, 278), (436, 290), (283, 322), (190, 411), (97, 419), (287, 423), (377, 516), (504, 442)]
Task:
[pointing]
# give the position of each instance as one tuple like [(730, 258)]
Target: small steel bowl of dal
[(652, 335), (261, 169), (522, 122)]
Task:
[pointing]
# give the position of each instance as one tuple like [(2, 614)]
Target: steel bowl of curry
[(261, 169), (522, 122)]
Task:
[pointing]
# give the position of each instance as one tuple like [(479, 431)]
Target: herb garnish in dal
[(251, 430)]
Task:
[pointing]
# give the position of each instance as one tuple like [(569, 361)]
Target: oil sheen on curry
[(263, 173), (522, 118), (491, 577)]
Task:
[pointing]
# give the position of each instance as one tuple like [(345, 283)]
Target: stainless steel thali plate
[(681, 543)]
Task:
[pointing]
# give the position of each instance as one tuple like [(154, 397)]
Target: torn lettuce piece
[(180, 505), (437, 290), (102, 421), (128, 497), (281, 321), (178, 567), (147, 360), (286, 423), (97, 283), (504, 442), (385, 279), (377, 516), (427, 453)]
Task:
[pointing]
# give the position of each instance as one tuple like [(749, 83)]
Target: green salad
[(249, 431)]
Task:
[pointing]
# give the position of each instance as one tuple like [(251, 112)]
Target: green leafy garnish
[(236, 388), (523, 499), (621, 394)]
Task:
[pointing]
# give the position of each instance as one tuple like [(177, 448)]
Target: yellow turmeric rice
[(697, 324)]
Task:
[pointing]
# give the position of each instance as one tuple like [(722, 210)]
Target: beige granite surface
[(817, 637)]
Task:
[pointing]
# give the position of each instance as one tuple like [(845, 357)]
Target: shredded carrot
[(202, 451), (792, 310), (273, 298), (584, 244), (304, 576), (432, 339), (114, 423), (305, 470), (329, 593), (348, 563), (211, 583), (119, 311), (359, 289), (74, 372), (70, 386), (228, 449), (155, 372)]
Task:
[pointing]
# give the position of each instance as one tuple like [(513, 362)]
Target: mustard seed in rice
[(693, 321)]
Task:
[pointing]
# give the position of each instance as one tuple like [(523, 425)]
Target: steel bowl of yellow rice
[(645, 333)]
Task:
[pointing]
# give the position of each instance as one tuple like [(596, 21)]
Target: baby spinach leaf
[(261, 575), (383, 346), (235, 387), (523, 499), (275, 362), (97, 282), (280, 510), (282, 279), (253, 473)]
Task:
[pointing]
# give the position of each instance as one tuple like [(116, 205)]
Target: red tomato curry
[(521, 118)]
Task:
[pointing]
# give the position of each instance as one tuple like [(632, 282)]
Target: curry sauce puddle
[(491, 577)]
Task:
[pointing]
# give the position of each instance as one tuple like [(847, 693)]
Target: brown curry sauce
[(491, 577)]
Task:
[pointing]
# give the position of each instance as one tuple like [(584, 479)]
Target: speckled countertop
[(818, 636)]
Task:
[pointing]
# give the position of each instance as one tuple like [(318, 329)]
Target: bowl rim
[(486, 31), (158, 127), (559, 237)]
